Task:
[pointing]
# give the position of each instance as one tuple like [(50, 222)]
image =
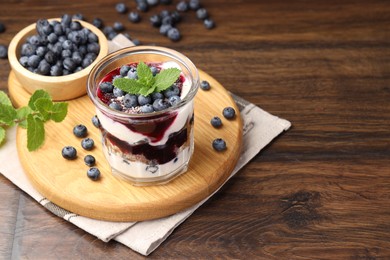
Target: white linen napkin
[(144, 237)]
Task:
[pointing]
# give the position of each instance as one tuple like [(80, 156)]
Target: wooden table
[(320, 191)]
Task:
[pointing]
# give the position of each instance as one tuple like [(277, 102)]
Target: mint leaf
[(7, 114), (44, 107), (4, 99), (166, 78), (145, 75), (35, 133), (59, 111), (37, 95), (129, 85), (21, 114), (2, 135)]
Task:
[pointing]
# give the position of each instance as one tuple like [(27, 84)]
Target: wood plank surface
[(320, 191), (114, 199)]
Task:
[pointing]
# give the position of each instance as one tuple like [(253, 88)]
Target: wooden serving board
[(66, 184)]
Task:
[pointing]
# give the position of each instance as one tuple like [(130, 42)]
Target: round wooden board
[(66, 184)]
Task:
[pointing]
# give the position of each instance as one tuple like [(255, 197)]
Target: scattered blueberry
[(209, 23), (87, 144), (93, 173), (216, 122), (98, 23), (2, 27), (134, 17), (152, 2), (121, 8), (78, 16), (69, 152), (174, 34), (165, 28), (182, 6), (166, 2), (3, 51), (219, 144), (118, 27), (155, 20), (205, 85), (229, 112), (96, 121), (194, 4), (142, 6), (89, 160), (202, 13), (80, 130)]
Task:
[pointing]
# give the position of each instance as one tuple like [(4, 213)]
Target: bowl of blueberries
[(56, 55)]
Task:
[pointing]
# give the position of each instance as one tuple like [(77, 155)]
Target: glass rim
[(145, 49)]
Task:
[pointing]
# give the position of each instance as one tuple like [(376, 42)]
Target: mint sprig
[(146, 82), (39, 110)]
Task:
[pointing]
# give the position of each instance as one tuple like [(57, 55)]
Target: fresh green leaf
[(59, 111), (44, 107), (4, 99), (21, 115), (145, 75), (35, 133), (129, 85), (7, 114), (37, 95), (166, 78), (2, 135)]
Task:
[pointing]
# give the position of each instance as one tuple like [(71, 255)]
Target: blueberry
[(205, 85), (43, 68), (67, 45), (152, 2), (134, 17), (194, 4), (107, 30), (78, 16), (75, 26), (97, 22), (69, 152), (118, 27), (52, 38), (56, 49), (69, 64), (93, 47), (77, 58), (87, 144), (143, 100), (56, 70), (87, 61), (34, 39), (219, 144), (83, 49), (43, 27), (229, 112), (89, 160), (166, 2), (209, 23), (75, 37), (121, 8), (202, 13), (64, 54), (118, 92), (58, 30), (136, 42), (106, 87), (167, 20), (148, 108), (92, 37), (182, 6), (33, 61), (124, 70), (23, 60), (160, 104), (174, 34), (112, 35), (130, 100), (132, 74), (142, 6), (80, 130), (66, 19), (155, 20), (157, 95), (164, 13), (176, 17), (154, 70), (115, 106), (93, 173), (28, 49), (216, 122), (173, 100), (41, 51), (3, 51), (171, 91), (96, 121), (2, 27)]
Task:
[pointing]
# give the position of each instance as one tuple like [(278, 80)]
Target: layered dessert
[(147, 132)]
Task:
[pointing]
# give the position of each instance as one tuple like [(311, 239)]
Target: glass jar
[(147, 148)]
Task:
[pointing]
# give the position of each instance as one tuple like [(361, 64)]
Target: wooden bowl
[(59, 87)]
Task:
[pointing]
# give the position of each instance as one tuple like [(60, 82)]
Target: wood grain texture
[(113, 199), (320, 191)]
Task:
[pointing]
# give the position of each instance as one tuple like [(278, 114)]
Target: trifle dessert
[(144, 101)]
